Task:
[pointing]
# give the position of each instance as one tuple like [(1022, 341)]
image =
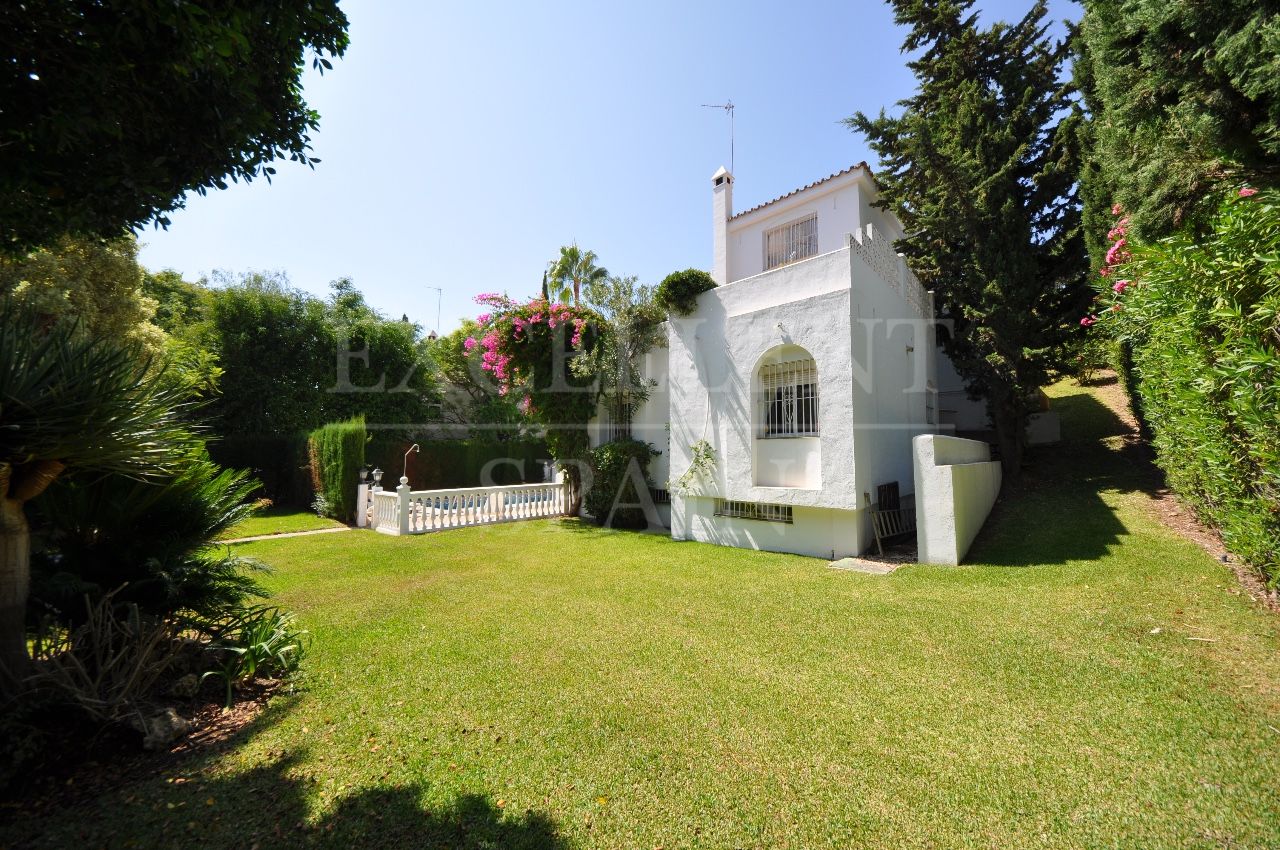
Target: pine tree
[(981, 166), (1183, 97)]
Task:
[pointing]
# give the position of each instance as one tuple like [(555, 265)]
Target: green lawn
[(279, 521), (548, 684)]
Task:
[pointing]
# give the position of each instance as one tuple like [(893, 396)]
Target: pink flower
[(1116, 209), (1121, 286), (1087, 321), (1117, 253), (468, 344), (1248, 192), (1105, 271), (483, 318)]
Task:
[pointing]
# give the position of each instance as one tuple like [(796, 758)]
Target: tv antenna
[(727, 106)]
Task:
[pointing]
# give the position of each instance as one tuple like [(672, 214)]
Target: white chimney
[(721, 212)]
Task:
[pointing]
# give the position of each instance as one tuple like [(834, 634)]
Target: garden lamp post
[(377, 478)]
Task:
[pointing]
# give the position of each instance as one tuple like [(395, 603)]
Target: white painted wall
[(956, 483), (816, 532), (843, 205)]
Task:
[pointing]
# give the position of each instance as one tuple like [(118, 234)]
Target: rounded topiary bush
[(678, 293), (614, 481)]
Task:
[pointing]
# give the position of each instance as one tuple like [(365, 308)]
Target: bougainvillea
[(530, 350)]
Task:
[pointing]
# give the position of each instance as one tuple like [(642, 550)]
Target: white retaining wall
[(956, 485)]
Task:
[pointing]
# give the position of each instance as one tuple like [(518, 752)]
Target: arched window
[(789, 394)]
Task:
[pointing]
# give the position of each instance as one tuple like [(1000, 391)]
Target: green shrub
[(614, 468), (97, 534), (337, 453), (678, 293), (1200, 315)]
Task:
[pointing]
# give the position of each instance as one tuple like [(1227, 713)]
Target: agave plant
[(69, 403)]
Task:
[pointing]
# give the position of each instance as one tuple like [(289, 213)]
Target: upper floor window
[(793, 241), (789, 398)]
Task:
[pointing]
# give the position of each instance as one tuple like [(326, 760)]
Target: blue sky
[(463, 143)]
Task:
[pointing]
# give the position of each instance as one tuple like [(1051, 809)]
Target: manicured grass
[(548, 684), (279, 521)]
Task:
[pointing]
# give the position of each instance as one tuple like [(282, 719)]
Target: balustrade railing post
[(405, 507), (362, 505)]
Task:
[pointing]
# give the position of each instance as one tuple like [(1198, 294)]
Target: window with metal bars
[(753, 510), (793, 241), (789, 399)]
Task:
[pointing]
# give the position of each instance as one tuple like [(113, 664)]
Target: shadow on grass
[(270, 806), (1056, 513), (384, 816), (180, 799)]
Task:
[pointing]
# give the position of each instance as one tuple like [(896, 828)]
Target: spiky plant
[(69, 403)]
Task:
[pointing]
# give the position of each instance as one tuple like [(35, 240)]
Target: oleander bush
[(1199, 314)]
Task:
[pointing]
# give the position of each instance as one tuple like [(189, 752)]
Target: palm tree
[(575, 268), (68, 403)]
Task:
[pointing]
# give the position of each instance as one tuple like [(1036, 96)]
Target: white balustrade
[(406, 511)]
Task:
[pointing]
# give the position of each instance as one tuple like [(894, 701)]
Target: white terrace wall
[(956, 485)]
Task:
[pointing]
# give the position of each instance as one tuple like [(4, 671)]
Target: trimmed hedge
[(678, 293), (337, 453), (613, 482), (1200, 316), (442, 464)]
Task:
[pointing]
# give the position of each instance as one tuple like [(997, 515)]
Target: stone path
[(286, 534), (858, 565)]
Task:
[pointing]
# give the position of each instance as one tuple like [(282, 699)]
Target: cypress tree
[(1183, 98), (981, 166)]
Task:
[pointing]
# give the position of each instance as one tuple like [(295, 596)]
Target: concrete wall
[(956, 484)]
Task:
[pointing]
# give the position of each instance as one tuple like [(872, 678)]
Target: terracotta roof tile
[(863, 165)]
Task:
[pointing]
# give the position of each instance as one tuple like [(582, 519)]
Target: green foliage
[(471, 395), (569, 273), (635, 328), (97, 284), (281, 464), (618, 472), (337, 453), (257, 641), (149, 542), (73, 401), (115, 109), (532, 350), (702, 465), (1185, 98), (178, 303), (982, 168), (678, 293), (443, 464), (292, 362), (1201, 316)]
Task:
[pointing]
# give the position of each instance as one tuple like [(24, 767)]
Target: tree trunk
[(15, 581), (1011, 434)]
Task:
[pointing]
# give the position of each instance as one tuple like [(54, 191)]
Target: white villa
[(797, 402), (808, 371)]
